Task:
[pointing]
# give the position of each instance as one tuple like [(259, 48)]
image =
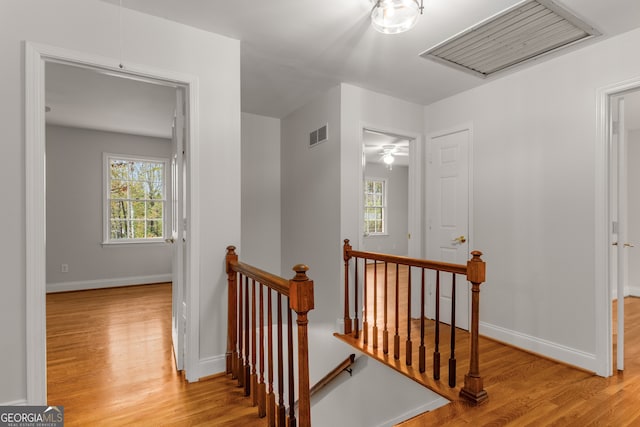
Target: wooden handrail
[(242, 363), (474, 272), (342, 366), (332, 375)]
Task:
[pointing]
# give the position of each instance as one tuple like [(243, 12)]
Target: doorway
[(624, 208), (36, 59), (386, 188)]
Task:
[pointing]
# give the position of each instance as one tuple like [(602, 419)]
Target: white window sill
[(134, 243), (366, 236)]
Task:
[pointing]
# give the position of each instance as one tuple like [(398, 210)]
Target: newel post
[(346, 253), (232, 315), (301, 301), (473, 389)]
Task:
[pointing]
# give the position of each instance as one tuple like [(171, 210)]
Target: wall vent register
[(318, 136)]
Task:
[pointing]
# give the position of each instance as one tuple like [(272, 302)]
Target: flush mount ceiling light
[(395, 16)]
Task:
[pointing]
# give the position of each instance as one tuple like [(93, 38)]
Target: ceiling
[(375, 144), (293, 50)]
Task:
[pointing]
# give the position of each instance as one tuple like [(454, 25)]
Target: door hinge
[(615, 127), (614, 227)]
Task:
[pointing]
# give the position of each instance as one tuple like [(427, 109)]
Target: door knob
[(628, 245), (460, 240), (170, 240)]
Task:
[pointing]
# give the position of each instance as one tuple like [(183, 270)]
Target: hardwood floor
[(110, 363), (527, 390), (523, 388)]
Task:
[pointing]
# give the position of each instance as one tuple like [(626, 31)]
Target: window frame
[(106, 199), (383, 208)]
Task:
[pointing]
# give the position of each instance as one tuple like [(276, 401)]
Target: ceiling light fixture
[(395, 16), (388, 158)]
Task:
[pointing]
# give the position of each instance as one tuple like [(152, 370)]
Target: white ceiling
[(293, 50), (80, 97)]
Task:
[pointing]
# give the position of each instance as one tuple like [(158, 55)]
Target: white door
[(178, 236), (619, 230), (448, 219)]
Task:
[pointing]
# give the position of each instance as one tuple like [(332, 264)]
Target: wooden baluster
[(365, 321), (232, 314), (409, 345), (473, 389), (396, 337), (346, 256), (281, 409), (375, 305), (271, 397), (422, 355), (452, 357), (247, 364), (254, 351), (240, 366), (292, 398), (301, 294), (356, 323), (385, 332), (262, 391), (436, 351)]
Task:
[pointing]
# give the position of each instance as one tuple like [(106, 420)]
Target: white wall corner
[(540, 346)]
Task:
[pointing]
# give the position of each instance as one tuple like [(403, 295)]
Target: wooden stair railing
[(249, 352), (473, 271)]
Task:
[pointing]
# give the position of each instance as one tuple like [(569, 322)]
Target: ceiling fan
[(388, 152)]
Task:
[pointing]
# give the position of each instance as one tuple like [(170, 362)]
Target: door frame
[(414, 208), (603, 308), (36, 55), (470, 232)]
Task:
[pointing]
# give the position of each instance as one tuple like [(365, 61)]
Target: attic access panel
[(522, 33)]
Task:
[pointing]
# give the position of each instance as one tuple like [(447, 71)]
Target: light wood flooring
[(110, 363)]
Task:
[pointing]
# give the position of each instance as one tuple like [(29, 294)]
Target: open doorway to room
[(114, 209), (386, 192), (38, 59), (624, 211)]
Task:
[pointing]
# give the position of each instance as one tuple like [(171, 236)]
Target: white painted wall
[(395, 241), (310, 191), (534, 163), (75, 212), (633, 152), (90, 26), (261, 193)]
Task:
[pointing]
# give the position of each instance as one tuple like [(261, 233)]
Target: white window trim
[(106, 176), (385, 211)]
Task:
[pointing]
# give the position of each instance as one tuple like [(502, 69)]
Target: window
[(375, 200), (135, 199)]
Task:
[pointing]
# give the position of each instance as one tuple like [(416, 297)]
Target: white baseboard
[(634, 291), (211, 366), (107, 283), (540, 346), (21, 402)]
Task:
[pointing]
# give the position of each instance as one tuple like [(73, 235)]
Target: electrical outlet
[(64, 268)]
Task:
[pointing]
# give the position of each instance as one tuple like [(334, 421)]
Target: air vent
[(318, 136), (519, 34)]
